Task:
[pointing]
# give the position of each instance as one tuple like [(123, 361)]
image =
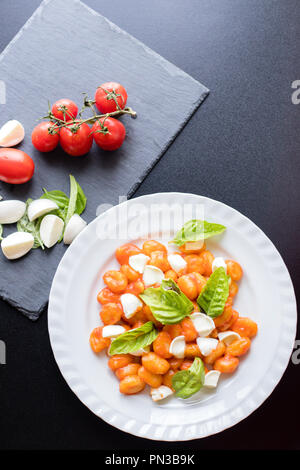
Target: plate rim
[(160, 432)]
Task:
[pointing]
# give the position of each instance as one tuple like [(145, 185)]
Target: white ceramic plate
[(266, 295)]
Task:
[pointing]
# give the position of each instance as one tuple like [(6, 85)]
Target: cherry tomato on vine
[(65, 109), (16, 167), (76, 140), (110, 134), (42, 139), (110, 97)]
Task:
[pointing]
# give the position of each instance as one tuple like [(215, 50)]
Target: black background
[(242, 147)]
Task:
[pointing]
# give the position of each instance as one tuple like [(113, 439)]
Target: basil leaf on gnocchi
[(167, 302), (133, 340), (197, 230), (188, 382), (213, 296)]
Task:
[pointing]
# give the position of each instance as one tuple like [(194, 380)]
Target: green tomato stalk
[(74, 124)]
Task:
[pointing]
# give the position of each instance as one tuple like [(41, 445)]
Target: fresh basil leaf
[(169, 284), (67, 206), (214, 295), (72, 199), (81, 200), (188, 382), (59, 197), (24, 225), (196, 230), (132, 340), (167, 303)]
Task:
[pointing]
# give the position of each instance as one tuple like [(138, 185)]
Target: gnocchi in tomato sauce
[(148, 348)]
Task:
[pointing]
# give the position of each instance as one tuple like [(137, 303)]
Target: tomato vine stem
[(74, 124)]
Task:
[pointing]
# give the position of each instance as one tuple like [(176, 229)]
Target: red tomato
[(76, 142), (42, 139), (65, 107), (108, 95), (113, 134), (16, 166)]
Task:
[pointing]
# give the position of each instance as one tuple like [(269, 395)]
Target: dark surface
[(242, 148), (33, 76)]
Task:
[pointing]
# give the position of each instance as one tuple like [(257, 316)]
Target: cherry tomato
[(110, 134), (43, 139), (110, 97), (16, 166), (76, 141), (65, 109)]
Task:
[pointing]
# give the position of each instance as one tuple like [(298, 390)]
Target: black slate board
[(64, 49)]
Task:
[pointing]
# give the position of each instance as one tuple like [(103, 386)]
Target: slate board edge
[(35, 315), (157, 56), (27, 313), (111, 24), (149, 168), (20, 32)]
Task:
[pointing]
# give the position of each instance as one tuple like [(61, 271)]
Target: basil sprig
[(197, 230), (188, 382), (213, 296), (167, 302), (24, 225), (80, 199), (77, 200), (60, 198), (67, 206), (132, 340)]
